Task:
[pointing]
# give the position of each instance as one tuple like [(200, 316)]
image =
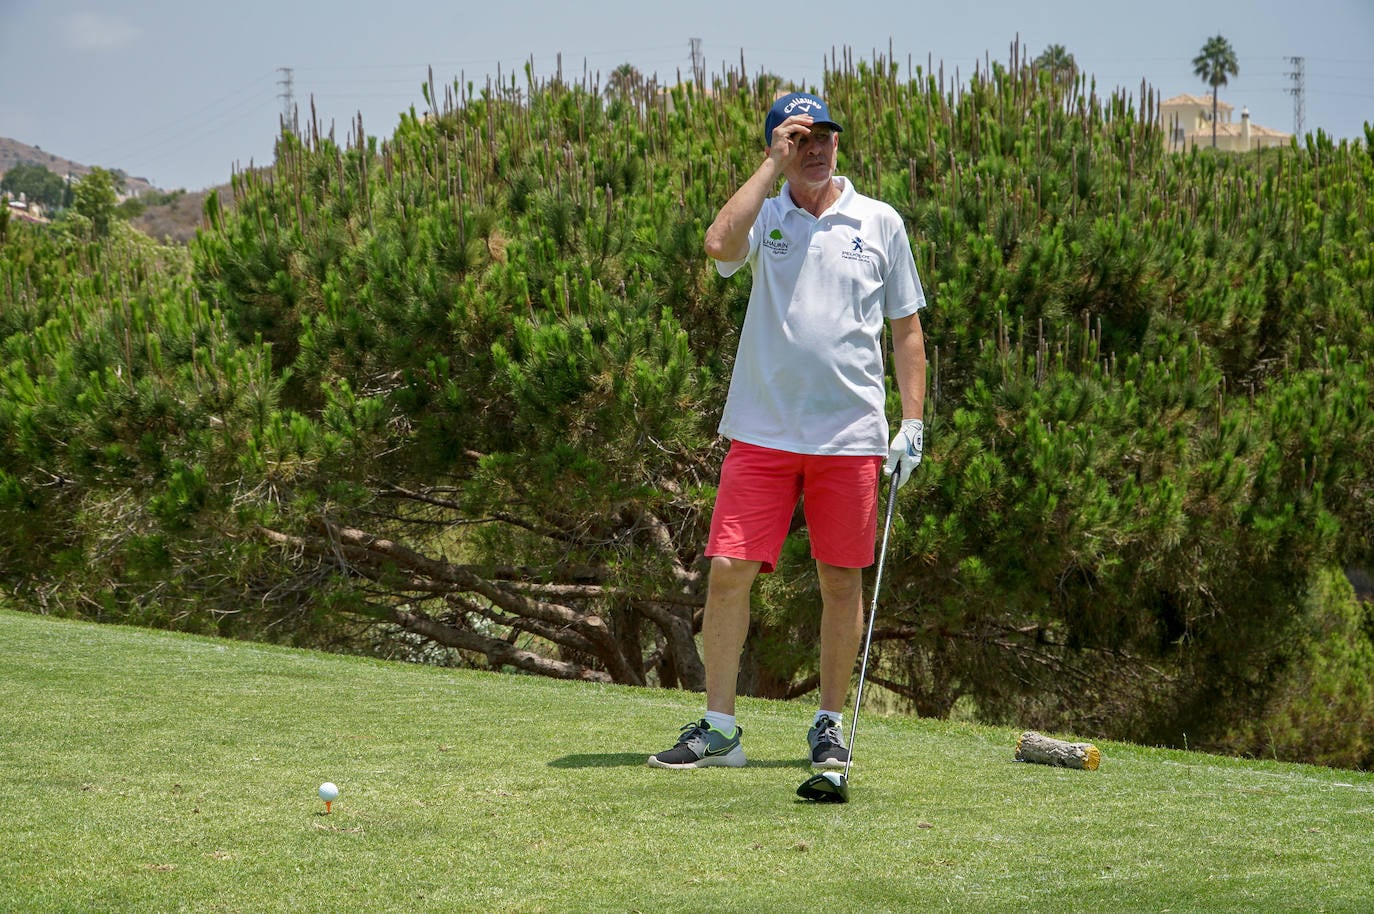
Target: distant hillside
[(169, 216), (13, 152), (179, 217)]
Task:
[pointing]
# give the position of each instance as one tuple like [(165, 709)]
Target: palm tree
[(1216, 62), (624, 80), (1059, 62)]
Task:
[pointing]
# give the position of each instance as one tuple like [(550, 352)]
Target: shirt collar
[(846, 192)]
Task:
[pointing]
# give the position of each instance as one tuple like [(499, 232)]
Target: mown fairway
[(154, 772)]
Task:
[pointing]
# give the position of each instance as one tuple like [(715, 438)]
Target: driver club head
[(825, 787)]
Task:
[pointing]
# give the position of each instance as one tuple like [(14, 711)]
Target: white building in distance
[(1187, 121)]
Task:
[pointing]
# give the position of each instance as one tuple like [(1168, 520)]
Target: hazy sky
[(179, 91)]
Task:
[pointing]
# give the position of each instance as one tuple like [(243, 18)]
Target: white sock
[(725, 723), (839, 718)]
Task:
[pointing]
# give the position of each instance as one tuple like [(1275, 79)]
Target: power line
[(477, 62), (209, 114)]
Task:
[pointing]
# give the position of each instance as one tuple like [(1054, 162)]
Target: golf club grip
[(872, 617)]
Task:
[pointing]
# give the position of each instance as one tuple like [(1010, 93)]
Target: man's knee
[(844, 584), (729, 574)]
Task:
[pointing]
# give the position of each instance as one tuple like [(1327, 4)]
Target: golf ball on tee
[(328, 792)]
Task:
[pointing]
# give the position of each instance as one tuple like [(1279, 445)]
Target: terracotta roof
[(1205, 101)]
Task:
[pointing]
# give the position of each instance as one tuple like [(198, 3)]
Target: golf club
[(831, 786)]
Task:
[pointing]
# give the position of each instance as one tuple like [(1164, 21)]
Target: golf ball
[(328, 792)]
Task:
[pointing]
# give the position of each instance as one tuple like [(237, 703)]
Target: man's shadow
[(640, 759)]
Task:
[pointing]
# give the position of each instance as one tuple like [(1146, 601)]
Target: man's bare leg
[(842, 622), (724, 628)]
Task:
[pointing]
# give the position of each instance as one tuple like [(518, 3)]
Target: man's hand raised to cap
[(786, 136), (727, 238)]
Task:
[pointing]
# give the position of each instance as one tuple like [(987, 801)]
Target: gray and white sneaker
[(827, 744), (702, 746)]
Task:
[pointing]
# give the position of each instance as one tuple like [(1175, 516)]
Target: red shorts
[(759, 488)]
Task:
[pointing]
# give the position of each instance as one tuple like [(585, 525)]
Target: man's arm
[(727, 239), (909, 364)]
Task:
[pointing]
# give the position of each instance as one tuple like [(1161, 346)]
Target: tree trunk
[(1032, 747)]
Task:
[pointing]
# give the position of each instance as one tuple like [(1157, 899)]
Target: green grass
[(150, 772)]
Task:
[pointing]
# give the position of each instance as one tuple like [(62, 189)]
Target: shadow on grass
[(640, 760)]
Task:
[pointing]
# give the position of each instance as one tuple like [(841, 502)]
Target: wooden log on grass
[(1044, 750)]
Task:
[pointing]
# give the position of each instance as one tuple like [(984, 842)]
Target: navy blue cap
[(796, 103)]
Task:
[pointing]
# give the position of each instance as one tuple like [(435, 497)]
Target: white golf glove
[(905, 453)]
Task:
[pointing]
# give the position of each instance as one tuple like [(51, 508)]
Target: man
[(805, 411)]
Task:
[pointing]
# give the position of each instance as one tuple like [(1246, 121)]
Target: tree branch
[(498, 652)]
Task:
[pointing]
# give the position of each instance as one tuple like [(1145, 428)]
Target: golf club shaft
[(872, 616)]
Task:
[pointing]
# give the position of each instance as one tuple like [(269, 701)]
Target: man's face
[(814, 161)]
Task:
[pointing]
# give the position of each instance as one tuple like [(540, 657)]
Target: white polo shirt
[(808, 375)]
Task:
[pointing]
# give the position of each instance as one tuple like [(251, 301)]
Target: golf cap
[(797, 103)]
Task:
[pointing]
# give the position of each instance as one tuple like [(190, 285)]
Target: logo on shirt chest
[(857, 252), (776, 243)]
